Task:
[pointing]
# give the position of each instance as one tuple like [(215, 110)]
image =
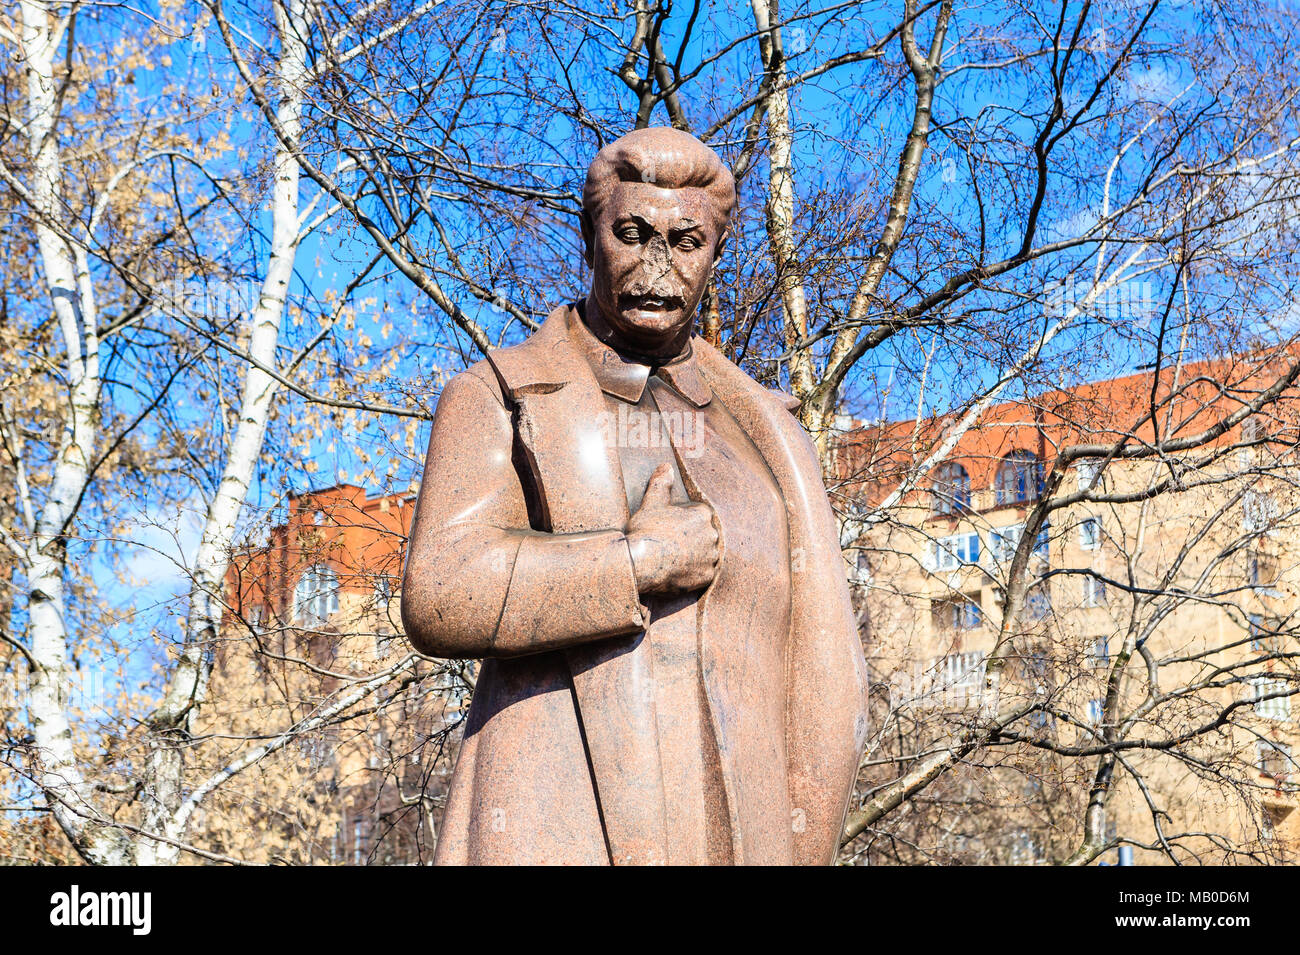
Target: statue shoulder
[(720, 365), (512, 369), (473, 385), (543, 359), (787, 401)]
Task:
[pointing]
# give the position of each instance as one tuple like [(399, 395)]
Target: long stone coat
[(517, 551)]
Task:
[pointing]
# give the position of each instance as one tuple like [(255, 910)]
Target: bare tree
[(151, 300), (945, 212)]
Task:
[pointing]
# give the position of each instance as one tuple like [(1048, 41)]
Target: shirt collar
[(626, 379)]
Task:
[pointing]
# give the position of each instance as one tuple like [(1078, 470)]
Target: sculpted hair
[(666, 157)]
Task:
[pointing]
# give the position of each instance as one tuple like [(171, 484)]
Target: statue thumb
[(659, 489)]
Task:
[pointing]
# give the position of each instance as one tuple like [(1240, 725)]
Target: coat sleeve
[(479, 582)]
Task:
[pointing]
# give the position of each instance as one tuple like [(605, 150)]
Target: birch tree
[(87, 805), (38, 37), (170, 723)]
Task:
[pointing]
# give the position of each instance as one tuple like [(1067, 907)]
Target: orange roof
[(1186, 402)]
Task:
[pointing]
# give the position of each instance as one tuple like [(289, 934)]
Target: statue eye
[(688, 242), (630, 234)]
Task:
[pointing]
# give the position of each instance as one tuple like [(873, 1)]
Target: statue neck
[(643, 352)]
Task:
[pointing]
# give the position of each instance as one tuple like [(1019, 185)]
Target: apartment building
[(313, 622), (1152, 610)]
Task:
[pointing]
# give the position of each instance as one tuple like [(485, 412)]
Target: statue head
[(655, 213)]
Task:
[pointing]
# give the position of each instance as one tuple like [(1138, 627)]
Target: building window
[(318, 518), (959, 613), (316, 596), (1025, 849), (960, 674), (1090, 533), (1038, 672), (1276, 708), (1099, 652), (383, 593), (1038, 603), (1005, 540), (1268, 821), (1261, 570), (1096, 712), (256, 617), (1274, 760), (1087, 471), (1019, 478), (863, 563), (950, 553), (1266, 634), (951, 492), (1259, 511), (1259, 632), (1094, 591)]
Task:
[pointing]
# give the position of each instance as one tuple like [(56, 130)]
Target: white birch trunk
[(170, 722), (67, 280), (780, 215)]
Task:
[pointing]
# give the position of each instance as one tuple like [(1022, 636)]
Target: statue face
[(652, 251)]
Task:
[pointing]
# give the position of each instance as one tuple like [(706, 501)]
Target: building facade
[(1129, 614), (314, 626)]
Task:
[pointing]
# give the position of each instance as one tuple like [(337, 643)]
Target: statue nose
[(656, 260)]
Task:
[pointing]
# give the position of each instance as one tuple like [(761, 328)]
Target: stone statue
[(635, 537)]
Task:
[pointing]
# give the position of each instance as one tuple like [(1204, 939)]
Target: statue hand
[(674, 546)]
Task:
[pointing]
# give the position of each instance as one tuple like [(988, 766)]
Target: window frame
[(951, 490), (1038, 602), (1096, 712), (1094, 591), (385, 591), (1028, 470), (326, 593), (955, 551), (1264, 749), (1102, 659), (1004, 540), (1085, 471), (959, 614), (1275, 708), (1258, 632), (1259, 510)]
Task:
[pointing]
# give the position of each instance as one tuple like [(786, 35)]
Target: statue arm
[(479, 582)]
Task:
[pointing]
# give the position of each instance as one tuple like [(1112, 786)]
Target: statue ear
[(588, 238), (722, 244)]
